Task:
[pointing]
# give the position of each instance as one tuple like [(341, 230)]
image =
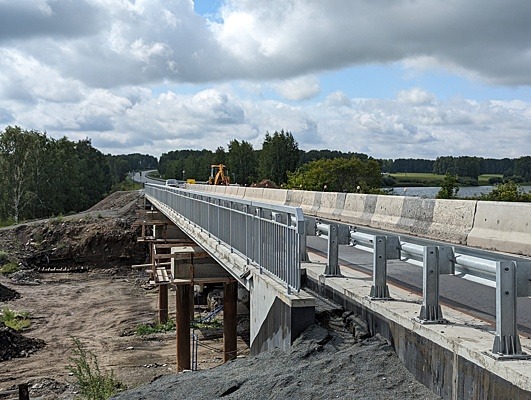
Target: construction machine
[(218, 175)]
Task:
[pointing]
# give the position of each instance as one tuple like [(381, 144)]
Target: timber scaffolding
[(177, 261)]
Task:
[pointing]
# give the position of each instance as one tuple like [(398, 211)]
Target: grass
[(92, 382), (434, 179), (148, 329), (14, 319), (8, 268)]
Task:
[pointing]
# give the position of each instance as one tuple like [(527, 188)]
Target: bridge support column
[(163, 304), (230, 321), (182, 322)]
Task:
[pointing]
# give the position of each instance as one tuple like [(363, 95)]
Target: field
[(433, 179)]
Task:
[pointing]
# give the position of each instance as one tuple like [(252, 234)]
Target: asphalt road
[(467, 296)]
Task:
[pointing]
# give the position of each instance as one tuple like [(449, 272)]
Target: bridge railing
[(272, 237), (510, 278)]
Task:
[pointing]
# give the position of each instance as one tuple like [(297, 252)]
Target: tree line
[(517, 169), (41, 176)]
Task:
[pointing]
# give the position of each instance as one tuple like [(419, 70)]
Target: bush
[(8, 268), (509, 191), (92, 383), (3, 258), (15, 320)]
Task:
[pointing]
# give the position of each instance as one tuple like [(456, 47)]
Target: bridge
[(276, 243)]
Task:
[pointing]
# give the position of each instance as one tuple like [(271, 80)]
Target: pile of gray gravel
[(326, 362)]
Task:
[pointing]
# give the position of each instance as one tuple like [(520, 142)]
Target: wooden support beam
[(182, 316), (163, 304), (229, 321)]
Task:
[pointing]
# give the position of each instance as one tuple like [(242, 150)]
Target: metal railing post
[(379, 288), (332, 263), (506, 341), (430, 312)]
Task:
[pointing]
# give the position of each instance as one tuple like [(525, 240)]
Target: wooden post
[(182, 321), (23, 391), (229, 321), (163, 304)]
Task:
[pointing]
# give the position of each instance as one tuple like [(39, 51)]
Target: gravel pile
[(326, 362)]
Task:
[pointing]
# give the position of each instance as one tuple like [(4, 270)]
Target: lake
[(431, 192)]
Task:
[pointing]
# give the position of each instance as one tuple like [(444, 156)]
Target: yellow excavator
[(218, 175)]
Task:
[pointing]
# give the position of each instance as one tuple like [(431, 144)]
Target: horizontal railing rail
[(272, 237), (510, 278)]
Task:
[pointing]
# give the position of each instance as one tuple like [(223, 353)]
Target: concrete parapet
[(231, 191), (448, 220), (331, 205), (502, 226), (310, 202), (294, 198), (254, 193), (275, 196), (358, 209)]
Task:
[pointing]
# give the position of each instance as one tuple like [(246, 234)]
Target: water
[(431, 192)]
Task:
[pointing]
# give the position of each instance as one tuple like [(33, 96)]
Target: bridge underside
[(276, 318)]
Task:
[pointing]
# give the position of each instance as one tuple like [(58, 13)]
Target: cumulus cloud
[(102, 68)]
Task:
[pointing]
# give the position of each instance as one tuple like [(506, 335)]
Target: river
[(431, 192)]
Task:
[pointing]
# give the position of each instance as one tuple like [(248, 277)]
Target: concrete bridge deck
[(452, 359)]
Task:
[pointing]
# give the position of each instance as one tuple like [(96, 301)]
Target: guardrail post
[(332, 263), (506, 342), (379, 288), (430, 312)]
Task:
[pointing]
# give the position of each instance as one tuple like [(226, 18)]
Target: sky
[(388, 78)]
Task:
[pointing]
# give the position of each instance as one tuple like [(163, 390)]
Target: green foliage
[(279, 155), (508, 191), (242, 162), (337, 175), (4, 258), (92, 382), (14, 319), (449, 187), (126, 185), (8, 268), (148, 329)]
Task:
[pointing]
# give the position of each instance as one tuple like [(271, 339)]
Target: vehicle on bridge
[(218, 175)]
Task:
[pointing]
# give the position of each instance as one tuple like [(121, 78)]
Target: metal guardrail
[(511, 279), (270, 236)]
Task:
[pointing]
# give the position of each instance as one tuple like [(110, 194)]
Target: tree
[(338, 175), (20, 156), (242, 162), (449, 187), (279, 155)]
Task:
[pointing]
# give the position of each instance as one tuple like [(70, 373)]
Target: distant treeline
[(41, 176), (472, 167)]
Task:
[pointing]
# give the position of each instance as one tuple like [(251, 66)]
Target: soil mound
[(14, 345), (7, 294)]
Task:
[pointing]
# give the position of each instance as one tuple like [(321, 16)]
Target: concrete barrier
[(447, 220), (294, 198), (502, 226), (310, 202), (254, 193), (331, 205), (275, 196), (358, 209)]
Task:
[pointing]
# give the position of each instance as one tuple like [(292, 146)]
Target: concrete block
[(447, 220), (331, 205), (254, 193), (502, 226), (310, 202), (358, 209), (294, 198), (275, 196)]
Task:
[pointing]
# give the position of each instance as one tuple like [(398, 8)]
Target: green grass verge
[(148, 329)]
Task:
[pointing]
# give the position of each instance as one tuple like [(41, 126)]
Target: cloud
[(300, 88), (104, 69)]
